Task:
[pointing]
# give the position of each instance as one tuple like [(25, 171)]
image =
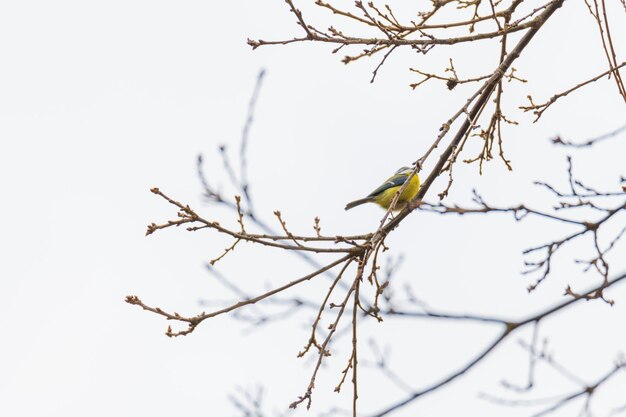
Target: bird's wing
[(394, 181)]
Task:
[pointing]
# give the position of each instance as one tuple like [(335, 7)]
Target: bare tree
[(593, 216)]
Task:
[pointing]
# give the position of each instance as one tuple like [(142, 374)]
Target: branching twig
[(538, 109)]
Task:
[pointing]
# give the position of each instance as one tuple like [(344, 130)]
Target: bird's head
[(404, 171)]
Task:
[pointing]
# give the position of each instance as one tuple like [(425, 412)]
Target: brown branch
[(551, 248), (451, 82), (189, 216), (324, 348), (194, 321), (243, 161), (589, 142), (538, 109), (381, 63), (485, 92), (398, 41), (312, 338), (355, 395), (586, 391), (510, 328), (301, 22), (395, 25)]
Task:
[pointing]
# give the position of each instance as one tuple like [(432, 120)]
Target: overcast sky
[(100, 101)]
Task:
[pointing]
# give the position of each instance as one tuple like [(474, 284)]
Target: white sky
[(99, 101)]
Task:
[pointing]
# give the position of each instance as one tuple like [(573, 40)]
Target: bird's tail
[(358, 202)]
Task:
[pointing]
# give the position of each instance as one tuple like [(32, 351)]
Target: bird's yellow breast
[(385, 198)]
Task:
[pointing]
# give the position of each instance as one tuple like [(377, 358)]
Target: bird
[(383, 195)]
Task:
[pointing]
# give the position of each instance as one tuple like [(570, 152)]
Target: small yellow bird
[(383, 195)]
